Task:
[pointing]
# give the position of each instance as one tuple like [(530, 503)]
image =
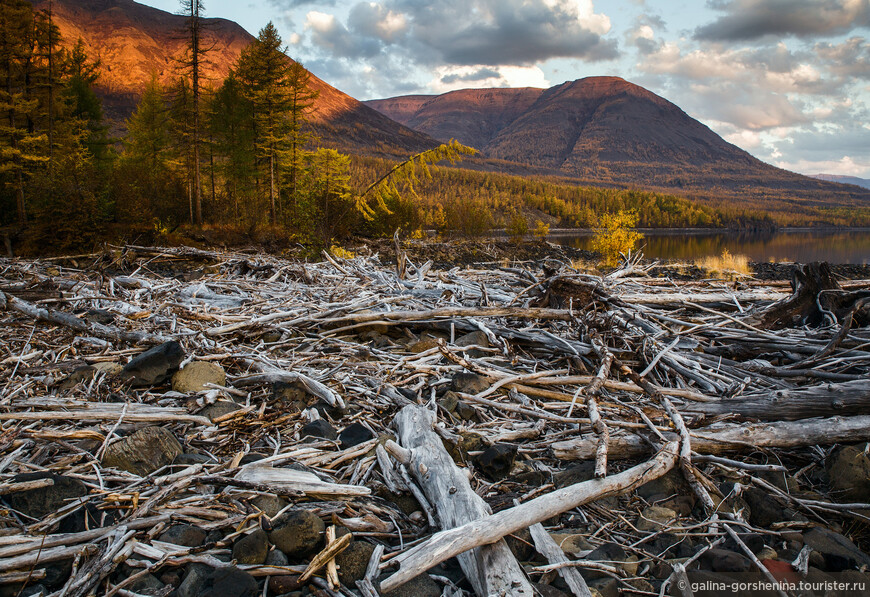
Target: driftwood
[(449, 543), (792, 404), (730, 438), (320, 364), (491, 568)]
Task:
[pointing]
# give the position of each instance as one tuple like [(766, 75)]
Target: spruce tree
[(192, 63), (263, 73)]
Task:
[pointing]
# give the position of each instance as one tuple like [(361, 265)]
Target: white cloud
[(451, 78)]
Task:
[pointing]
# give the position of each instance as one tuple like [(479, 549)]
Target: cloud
[(746, 20), (470, 32), (328, 33), (450, 78)]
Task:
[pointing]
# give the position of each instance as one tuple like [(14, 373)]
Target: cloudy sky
[(786, 80)]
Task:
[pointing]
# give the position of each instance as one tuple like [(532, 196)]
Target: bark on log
[(491, 569), (452, 542), (729, 438), (843, 399)]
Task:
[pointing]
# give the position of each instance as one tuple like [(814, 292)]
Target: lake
[(801, 245)]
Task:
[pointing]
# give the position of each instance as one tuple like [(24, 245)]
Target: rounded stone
[(195, 375), (297, 533)]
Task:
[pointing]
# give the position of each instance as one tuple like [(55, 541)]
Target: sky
[(786, 80)]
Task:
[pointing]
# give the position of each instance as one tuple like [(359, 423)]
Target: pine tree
[(263, 73), (192, 64)]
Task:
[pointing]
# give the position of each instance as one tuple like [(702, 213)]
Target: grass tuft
[(726, 264)]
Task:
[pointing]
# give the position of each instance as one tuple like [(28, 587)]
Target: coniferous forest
[(241, 159)]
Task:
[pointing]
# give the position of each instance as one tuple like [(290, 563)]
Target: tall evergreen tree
[(192, 63), (263, 73)]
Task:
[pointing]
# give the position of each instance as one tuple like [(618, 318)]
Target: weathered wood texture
[(491, 568)]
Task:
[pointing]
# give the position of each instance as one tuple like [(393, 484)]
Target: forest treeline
[(243, 157)]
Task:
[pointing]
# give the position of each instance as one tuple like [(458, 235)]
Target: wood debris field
[(185, 422)]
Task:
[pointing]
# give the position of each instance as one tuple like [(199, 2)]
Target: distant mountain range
[(598, 130), (858, 182), (132, 41), (601, 129)]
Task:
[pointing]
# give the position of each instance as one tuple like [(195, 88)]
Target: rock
[(497, 461), (764, 509), (252, 548), (328, 410), (352, 562), (611, 552), (194, 377), (108, 368), (39, 503), (766, 553), (839, 553), (146, 585), (78, 376), (154, 366), (422, 345), (577, 473), (297, 533), (227, 582), (219, 409), (100, 316), (419, 586), (276, 557), (849, 471), (185, 535), (655, 518), (477, 338), (319, 428), (781, 571), (605, 587), (143, 452), (283, 585), (194, 578), (574, 545), (521, 545), (353, 435), (269, 504), (668, 485), (469, 383), (723, 560)]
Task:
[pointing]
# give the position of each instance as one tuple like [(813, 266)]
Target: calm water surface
[(834, 246)]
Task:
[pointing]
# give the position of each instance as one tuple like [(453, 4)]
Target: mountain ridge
[(132, 40), (608, 130)]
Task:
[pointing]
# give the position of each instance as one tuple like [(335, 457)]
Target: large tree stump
[(801, 308)]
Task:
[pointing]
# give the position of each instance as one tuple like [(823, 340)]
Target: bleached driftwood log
[(729, 438), (452, 542), (106, 332), (491, 568)]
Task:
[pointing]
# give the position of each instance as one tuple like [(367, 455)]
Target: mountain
[(606, 130), (132, 41), (858, 182)]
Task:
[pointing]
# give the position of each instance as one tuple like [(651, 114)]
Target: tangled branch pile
[(177, 421)]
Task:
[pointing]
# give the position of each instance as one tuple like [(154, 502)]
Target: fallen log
[(452, 542), (106, 332), (793, 404), (491, 568), (728, 438)]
